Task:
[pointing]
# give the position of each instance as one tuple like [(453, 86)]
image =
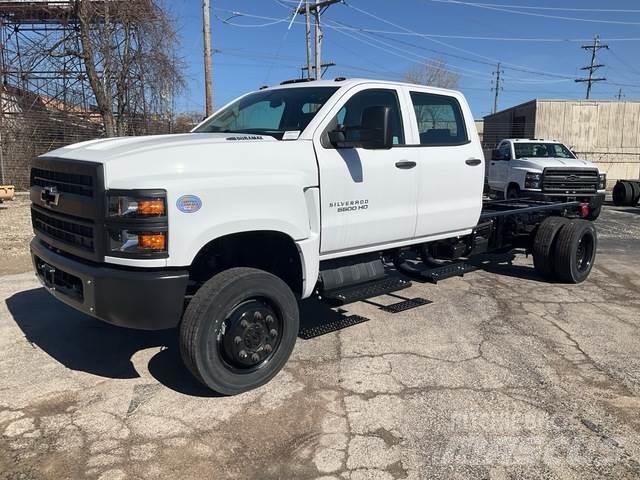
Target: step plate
[(366, 290), (442, 273), (344, 322), (405, 305)]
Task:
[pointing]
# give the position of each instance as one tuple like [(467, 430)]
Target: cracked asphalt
[(502, 376)]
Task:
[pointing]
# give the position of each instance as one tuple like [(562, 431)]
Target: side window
[(440, 120), (505, 151), (350, 115)]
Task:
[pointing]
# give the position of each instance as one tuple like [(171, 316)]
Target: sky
[(538, 43)]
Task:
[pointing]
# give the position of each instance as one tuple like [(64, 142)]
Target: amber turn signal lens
[(152, 241), (151, 207)]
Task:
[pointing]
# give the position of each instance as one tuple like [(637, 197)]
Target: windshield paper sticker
[(291, 135), (189, 203)]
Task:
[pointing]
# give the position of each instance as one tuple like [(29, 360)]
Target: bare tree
[(435, 73), (129, 52)]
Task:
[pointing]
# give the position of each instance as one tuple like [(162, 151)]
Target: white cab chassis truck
[(321, 188), (545, 170)]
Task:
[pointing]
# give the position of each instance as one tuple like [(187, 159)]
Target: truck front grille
[(568, 181), (68, 209), (69, 230), (75, 183)]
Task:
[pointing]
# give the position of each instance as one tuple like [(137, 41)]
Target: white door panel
[(365, 198), (451, 163)]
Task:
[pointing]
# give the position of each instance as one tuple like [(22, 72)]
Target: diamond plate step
[(366, 290), (323, 329)]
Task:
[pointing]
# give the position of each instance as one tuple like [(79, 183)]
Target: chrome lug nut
[(268, 348), (269, 319), (237, 340), (273, 332), (244, 324), (257, 316), (242, 354), (255, 357)]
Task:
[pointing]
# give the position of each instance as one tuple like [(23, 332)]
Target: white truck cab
[(544, 169), (305, 188)]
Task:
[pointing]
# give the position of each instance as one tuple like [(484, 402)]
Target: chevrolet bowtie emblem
[(50, 196)]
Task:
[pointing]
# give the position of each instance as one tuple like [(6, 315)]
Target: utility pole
[(593, 67), (307, 15), (620, 96), (498, 87), (316, 9), (208, 64)]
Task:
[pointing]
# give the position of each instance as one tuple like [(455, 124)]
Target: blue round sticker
[(189, 203)]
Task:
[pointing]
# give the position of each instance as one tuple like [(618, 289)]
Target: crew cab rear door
[(368, 196), (450, 163)]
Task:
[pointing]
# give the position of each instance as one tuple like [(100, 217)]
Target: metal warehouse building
[(605, 132)]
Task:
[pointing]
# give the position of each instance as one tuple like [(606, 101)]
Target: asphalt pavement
[(502, 376)]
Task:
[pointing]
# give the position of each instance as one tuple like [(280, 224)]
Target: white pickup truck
[(302, 189), (545, 169)]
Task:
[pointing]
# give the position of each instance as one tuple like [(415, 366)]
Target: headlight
[(532, 180), (137, 242), (142, 204), (603, 181), (137, 223)]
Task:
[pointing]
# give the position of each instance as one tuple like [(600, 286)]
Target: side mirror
[(374, 132)]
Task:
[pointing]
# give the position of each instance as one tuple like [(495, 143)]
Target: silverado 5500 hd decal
[(349, 206)]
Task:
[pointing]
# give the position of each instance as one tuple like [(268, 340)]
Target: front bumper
[(126, 297)]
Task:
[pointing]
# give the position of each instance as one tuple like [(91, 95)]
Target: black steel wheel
[(575, 251), (544, 245), (513, 192), (239, 330)]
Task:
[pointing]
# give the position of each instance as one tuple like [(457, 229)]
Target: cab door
[(451, 164), (499, 167), (368, 196)]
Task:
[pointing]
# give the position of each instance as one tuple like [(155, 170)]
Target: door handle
[(405, 164), (473, 162)]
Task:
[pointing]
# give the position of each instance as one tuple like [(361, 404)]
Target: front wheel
[(239, 330)]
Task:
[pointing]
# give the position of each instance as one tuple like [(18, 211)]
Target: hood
[(105, 150), (547, 162)]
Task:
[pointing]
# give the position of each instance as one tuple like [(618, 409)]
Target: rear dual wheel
[(239, 330), (565, 249)]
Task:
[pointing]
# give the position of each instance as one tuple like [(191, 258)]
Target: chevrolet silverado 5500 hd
[(308, 188), (545, 169)]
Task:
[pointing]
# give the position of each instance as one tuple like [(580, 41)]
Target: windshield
[(542, 150), (270, 112)]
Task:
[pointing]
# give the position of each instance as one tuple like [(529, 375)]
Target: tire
[(544, 245), (229, 323), (635, 196), (575, 251), (594, 213), (513, 192), (622, 193)]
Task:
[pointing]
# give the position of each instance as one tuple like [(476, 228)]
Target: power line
[(543, 15), (593, 66), (562, 9), (275, 21)]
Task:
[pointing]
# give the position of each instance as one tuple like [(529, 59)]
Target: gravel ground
[(503, 376), (15, 235)]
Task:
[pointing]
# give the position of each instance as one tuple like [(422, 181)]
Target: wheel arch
[(273, 251)]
